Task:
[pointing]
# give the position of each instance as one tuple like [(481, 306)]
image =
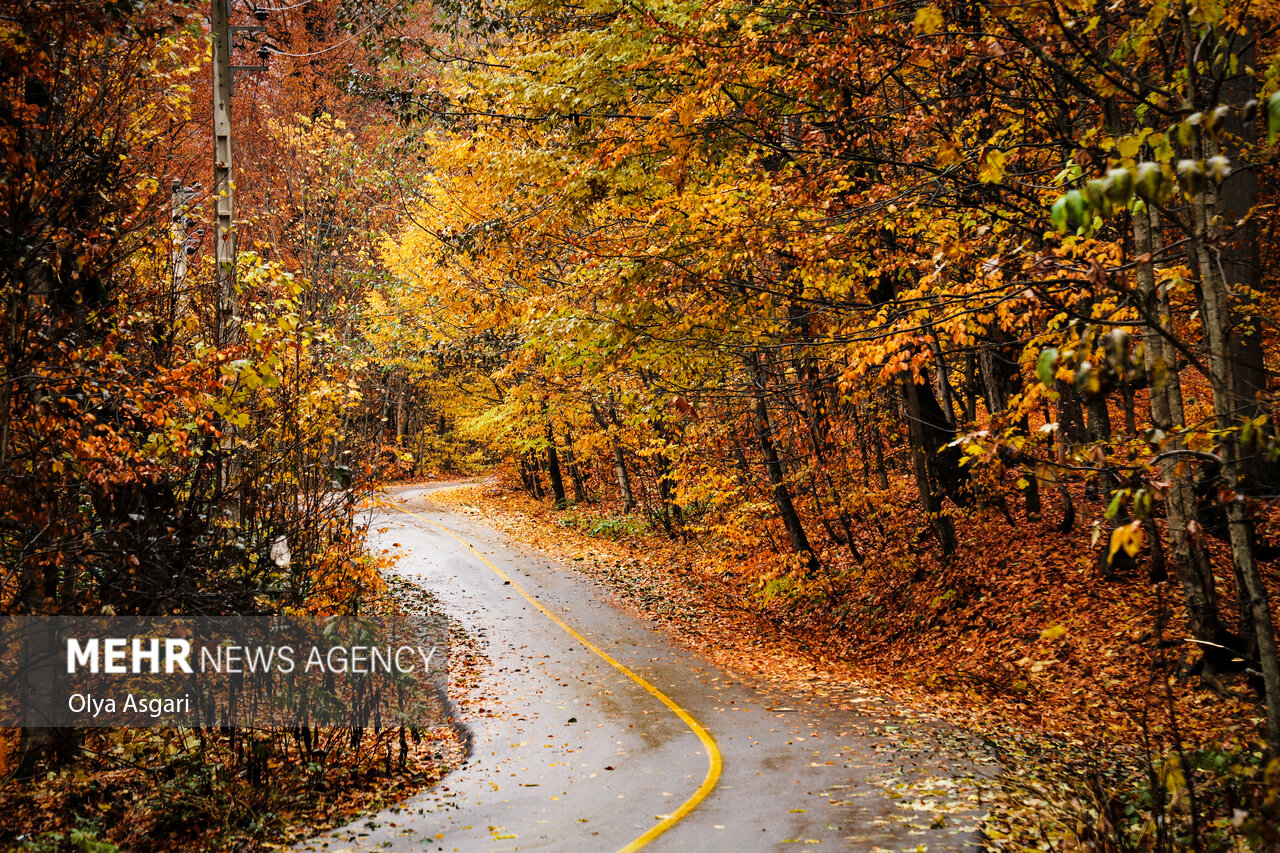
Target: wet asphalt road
[(571, 755)]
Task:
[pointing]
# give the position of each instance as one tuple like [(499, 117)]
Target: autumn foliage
[(937, 328), (146, 469), (825, 288)]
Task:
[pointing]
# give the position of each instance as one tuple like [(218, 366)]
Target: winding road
[(594, 732)]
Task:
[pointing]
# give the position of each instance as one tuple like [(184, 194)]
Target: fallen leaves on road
[(1011, 638)]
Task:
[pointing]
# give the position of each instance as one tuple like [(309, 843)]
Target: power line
[(283, 8), (386, 11), (347, 40), (223, 186)]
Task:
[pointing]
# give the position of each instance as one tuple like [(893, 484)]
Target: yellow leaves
[(1129, 146), (992, 168), (1053, 633), (1128, 538), (1172, 776), (928, 21), (948, 154)]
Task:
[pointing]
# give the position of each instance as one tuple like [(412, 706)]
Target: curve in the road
[(823, 762), (714, 760)]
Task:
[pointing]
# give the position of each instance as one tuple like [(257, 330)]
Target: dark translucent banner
[(255, 671)]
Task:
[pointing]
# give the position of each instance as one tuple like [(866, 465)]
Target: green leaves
[(1150, 182), (1095, 192), (1119, 186), (1129, 188), (1116, 504), (1071, 211), (1060, 215), (1047, 366)]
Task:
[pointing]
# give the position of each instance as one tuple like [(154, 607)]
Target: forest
[(940, 335)]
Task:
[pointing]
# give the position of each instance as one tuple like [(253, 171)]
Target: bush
[(78, 840), (616, 528)]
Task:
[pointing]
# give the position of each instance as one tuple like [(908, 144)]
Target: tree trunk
[(1238, 255), (1229, 392), (922, 452), (864, 452), (995, 371), (619, 461), (672, 517), (624, 479), (553, 470), (1189, 558), (944, 384), (777, 477), (970, 388), (781, 494), (877, 447), (575, 473), (531, 466), (1126, 396), (400, 383), (1098, 431), (1099, 427), (1031, 491), (1071, 429)]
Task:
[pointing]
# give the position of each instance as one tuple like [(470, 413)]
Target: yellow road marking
[(714, 760)]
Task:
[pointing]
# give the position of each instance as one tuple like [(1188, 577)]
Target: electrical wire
[(322, 50), (284, 8), (278, 52)]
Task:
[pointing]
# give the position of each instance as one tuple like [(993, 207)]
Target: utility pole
[(184, 245), (224, 245), (179, 249), (226, 308), (223, 187)]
